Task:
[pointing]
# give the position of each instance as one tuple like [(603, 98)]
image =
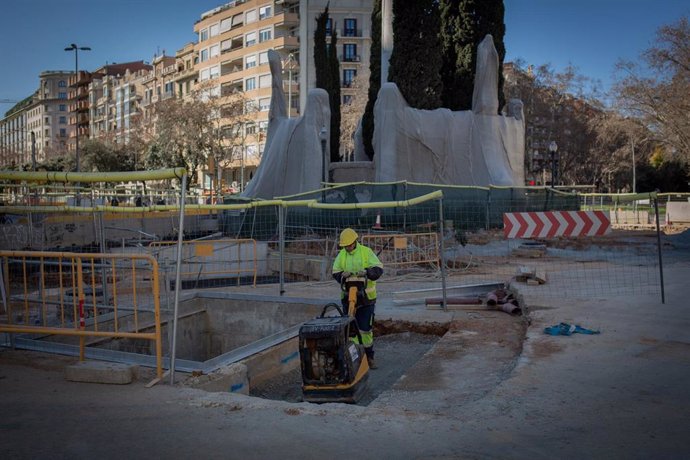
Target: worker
[(356, 259)]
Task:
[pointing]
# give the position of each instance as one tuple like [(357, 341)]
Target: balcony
[(351, 33), (285, 42), (286, 19), (356, 58), (228, 67), (184, 74)]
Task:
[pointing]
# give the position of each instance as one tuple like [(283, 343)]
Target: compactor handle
[(331, 305)]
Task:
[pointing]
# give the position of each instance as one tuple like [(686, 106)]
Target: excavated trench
[(398, 345)]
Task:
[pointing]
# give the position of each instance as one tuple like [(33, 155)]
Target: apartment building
[(15, 140), (94, 103), (351, 20), (37, 129), (232, 51)]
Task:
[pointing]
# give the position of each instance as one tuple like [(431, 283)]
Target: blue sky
[(590, 34)]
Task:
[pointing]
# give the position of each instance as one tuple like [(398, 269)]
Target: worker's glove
[(345, 275), (362, 273)]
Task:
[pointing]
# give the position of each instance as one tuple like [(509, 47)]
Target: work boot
[(372, 363)]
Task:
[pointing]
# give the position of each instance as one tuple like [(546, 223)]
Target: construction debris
[(503, 300), (530, 275), (530, 249)]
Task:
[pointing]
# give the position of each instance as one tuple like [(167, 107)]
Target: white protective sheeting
[(477, 147), (292, 161)]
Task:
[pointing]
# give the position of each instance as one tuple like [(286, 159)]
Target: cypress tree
[(490, 21), (334, 95), (374, 79), (464, 24), (416, 59), (320, 53)]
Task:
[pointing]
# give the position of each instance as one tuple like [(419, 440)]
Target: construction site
[(509, 323)]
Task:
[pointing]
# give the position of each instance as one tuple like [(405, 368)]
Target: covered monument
[(473, 147)]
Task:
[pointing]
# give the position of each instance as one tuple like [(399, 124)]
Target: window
[(329, 26), (62, 108), (348, 76), (203, 35), (62, 120), (62, 95), (265, 35), (250, 39), (264, 104), (250, 61), (214, 72), (203, 75), (265, 81), (263, 58), (237, 20), (347, 99), (213, 30), (250, 84), (263, 126), (214, 51), (204, 55), (350, 52), (62, 84), (47, 120), (250, 16), (264, 12), (350, 29), (63, 132), (250, 128), (225, 24)]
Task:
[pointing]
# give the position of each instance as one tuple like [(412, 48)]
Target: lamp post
[(290, 62), (632, 147), (323, 136), (553, 155), (75, 48)]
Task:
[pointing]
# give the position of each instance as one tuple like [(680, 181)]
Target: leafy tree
[(416, 58), (104, 156), (374, 79)]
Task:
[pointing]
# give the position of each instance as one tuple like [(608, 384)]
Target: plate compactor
[(334, 368)]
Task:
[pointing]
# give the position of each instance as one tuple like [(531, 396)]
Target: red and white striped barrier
[(549, 224)]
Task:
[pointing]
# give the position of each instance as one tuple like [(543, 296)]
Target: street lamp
[(290, 61), (553, 155), (76, 49), (323, 135)]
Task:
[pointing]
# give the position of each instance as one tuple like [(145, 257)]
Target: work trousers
[(364, 316)]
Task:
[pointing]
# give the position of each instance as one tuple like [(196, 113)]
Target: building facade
[(38, 129)]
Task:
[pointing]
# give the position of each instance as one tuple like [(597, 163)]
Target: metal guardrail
[(211, 259), (398, 250), (84, 295)]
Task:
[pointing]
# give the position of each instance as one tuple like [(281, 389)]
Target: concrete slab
[(101, 372)]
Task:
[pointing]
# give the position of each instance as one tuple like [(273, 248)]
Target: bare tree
[(558, 107), (351, 114), (659, 95), (205, 128)]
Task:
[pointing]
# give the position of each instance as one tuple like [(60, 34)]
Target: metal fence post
[(281, 246), (178, 269), (658, 245), (442, 255)]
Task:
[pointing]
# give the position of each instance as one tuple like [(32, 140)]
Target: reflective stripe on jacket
[(361, 258)]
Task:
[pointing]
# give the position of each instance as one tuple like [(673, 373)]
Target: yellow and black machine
[(334, 367)]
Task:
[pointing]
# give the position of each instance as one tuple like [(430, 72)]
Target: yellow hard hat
[(347, 237)]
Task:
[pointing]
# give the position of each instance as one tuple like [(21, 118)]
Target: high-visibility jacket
[(359, 259)]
